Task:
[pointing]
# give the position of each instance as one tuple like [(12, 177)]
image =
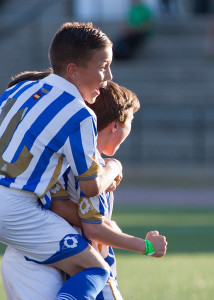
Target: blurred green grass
[(187, 229), (173, 277), (184, 273)]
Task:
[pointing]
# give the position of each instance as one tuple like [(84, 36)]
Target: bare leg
[(88, 258)]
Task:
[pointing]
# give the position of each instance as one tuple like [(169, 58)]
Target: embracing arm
[(85, 161), (68, 210), (108, 232), (111, 172)]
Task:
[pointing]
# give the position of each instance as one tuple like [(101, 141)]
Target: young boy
[(114, 109), (45, 125)]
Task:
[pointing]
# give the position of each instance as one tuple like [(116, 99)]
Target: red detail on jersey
[(37, 96)]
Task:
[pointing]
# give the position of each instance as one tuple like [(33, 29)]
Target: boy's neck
[(102, 140)]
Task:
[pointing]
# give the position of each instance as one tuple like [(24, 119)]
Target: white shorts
[(39, 234), (26, 280)]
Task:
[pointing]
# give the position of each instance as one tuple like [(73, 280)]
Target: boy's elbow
[(90, 231)]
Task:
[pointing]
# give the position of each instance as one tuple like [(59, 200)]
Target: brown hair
[(114, 103), (29, 75), (75, 42)]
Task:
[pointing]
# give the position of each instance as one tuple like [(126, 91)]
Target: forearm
[(105, 234)]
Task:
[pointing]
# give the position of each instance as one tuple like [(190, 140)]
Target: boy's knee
[(103, 273), (105, 266)]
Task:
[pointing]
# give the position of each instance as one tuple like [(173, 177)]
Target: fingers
[(159, 243), (116, 161), (160, 246), (155, 232), (118, 179), (151, 234), (115, 183), (112, 187)]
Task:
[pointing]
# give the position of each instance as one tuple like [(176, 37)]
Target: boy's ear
[(72, 71), (113, 126)]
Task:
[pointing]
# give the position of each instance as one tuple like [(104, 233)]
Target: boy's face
[(118, 135), (95, 74)]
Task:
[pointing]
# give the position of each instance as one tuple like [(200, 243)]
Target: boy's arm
[(85, 162), (105, 234), (110, 173), (66, 209), (108, 232), (93, 212)]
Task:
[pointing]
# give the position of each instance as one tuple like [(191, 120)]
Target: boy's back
[(38, 120)]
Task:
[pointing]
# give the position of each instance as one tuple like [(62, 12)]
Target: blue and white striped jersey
[(44, 126)]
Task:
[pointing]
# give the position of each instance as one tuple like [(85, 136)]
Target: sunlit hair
[(75, 43), (114, 103)]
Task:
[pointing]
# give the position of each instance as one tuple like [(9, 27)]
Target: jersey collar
[(63, 84)]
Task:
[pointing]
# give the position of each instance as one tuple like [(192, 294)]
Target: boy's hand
[(119, 177), (107, 159), (112, 187), (159, 243), (115, 183)]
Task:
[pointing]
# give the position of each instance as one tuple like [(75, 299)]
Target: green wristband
[(149, 248)]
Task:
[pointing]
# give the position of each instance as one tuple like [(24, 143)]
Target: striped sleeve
[(58, 192), (92, 210), (65, 188), (81, 149)]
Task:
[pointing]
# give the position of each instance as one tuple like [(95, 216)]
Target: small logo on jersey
[(24, 112), (69, 241), (45, 91), (37, 96), (84, 206), (56, 188), (4, 168)]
